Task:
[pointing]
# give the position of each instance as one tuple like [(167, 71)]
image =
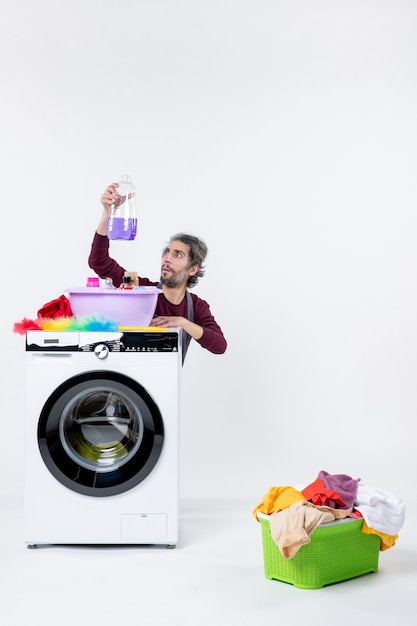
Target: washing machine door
[(100, 433)]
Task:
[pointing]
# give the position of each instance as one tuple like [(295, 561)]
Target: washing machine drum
[(100, 433)]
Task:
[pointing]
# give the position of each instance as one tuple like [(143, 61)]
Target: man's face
[(175, 268)]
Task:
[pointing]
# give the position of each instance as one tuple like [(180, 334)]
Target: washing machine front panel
[(100, 433), (140, 509)]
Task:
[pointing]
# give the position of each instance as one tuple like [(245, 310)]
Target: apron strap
[(185, 337)]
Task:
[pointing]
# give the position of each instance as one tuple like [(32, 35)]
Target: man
[(181, 266)]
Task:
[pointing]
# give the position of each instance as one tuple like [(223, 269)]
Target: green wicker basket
[(336, 552)]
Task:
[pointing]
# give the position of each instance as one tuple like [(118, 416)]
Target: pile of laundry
[(294, 513)]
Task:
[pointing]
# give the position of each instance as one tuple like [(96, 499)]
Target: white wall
[(284, 133)]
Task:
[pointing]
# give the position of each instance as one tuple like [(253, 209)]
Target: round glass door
[(100, 433)]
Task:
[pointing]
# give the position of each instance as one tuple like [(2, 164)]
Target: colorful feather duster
[(88, 323)]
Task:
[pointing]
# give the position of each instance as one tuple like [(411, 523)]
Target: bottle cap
[(93, 282)]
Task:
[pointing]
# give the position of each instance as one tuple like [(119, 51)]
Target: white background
[(284, 133)]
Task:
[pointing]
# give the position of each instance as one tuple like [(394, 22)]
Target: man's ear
[(194, 270)]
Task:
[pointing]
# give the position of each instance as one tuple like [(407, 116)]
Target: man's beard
[(175, 280)]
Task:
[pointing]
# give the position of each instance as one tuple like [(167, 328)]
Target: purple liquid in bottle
[(121, 228), (122, 222)]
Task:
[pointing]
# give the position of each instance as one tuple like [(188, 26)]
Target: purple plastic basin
[(127, 307)]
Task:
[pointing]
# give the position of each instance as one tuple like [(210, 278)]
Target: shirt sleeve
[(212, 338), (101, 262)]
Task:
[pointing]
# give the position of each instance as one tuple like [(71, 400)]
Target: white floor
[(214, 577)]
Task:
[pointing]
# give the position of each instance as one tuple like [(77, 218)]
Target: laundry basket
[(337, 551)]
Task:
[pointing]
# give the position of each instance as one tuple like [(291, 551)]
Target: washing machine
[(101, 437)]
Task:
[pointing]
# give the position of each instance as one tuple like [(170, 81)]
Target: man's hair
[(198, 253)]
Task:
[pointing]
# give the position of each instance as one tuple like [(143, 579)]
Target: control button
[(101, 351)]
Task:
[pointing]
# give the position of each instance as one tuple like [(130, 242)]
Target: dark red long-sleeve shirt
[(106, 267)]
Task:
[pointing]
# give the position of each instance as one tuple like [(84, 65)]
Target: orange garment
[(277, 499), (387, 541)]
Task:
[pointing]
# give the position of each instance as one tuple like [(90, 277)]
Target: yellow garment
[(277, 499), (387, 541)]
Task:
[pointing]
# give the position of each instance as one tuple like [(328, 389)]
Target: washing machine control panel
[(129, 341), (102, 343)]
